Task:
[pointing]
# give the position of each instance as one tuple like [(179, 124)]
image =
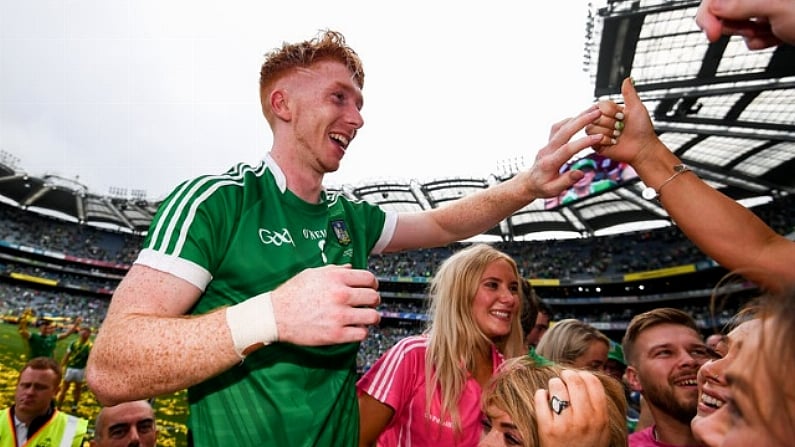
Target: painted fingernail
[(616, 133), (619, 125), (619, 116), (632, 80)]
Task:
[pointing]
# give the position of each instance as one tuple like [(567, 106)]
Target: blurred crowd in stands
[(26, 228), (14, 299), (561, 259)]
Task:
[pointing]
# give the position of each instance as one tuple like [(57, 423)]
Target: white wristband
[(252, 322)]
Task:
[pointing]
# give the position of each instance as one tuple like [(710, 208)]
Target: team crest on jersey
[(341, 231)]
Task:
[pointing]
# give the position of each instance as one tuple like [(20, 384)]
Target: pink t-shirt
[(645, 438), (397, 379)]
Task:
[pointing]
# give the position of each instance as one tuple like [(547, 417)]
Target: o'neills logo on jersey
[(276, 238)]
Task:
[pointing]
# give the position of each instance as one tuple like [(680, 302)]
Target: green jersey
[(242, 234), (78, 354), (41, 345)]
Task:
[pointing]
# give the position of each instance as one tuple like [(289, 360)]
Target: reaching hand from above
[(762, 23)]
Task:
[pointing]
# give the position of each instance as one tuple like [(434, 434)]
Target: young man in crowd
[(664, 350)]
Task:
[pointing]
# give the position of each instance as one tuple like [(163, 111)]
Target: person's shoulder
[(641, 438), (412, 344), (225, 192), (238, 175)]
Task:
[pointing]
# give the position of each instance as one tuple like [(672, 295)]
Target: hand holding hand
[(630, 126), (326, 305), (544, 178), (581, 420)]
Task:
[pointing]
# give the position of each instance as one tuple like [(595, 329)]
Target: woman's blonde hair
[(512, 390), (568, 339), (454, 336)]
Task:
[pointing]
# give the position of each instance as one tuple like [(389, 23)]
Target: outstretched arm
[(72, 330), (476, 213), (23, 325), (723, 229), (147, 346)]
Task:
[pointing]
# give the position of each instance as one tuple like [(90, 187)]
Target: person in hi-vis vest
[(33, 420)]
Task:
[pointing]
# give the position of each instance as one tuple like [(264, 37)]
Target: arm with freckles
[(476, 213), (75, 328), (147, 346), (723, 229)]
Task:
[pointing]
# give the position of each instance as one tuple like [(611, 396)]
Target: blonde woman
[(426, 389), (574, 343), (553, 406)]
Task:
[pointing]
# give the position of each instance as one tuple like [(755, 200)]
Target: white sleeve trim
[(181, 268), (390, 223)]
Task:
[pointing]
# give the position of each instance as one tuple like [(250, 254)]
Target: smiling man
[(665, 350), (252, 288)]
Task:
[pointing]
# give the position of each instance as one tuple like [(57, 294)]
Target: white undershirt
[(21, 431)]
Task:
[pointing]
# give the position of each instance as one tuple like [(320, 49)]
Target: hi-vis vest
[(62, 430)]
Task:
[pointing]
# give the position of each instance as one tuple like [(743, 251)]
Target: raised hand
[(630, 126)]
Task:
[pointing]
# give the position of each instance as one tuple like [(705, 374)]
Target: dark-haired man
[(541, 326)]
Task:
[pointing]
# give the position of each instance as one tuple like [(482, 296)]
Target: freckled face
[(324, 113), (497, 299)]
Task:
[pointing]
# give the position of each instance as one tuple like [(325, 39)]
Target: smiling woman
[(761, 401), (475, 307)]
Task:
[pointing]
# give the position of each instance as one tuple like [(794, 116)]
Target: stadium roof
[(727, 112)]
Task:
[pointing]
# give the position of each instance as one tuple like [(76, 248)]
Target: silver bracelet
[(650, 193)]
